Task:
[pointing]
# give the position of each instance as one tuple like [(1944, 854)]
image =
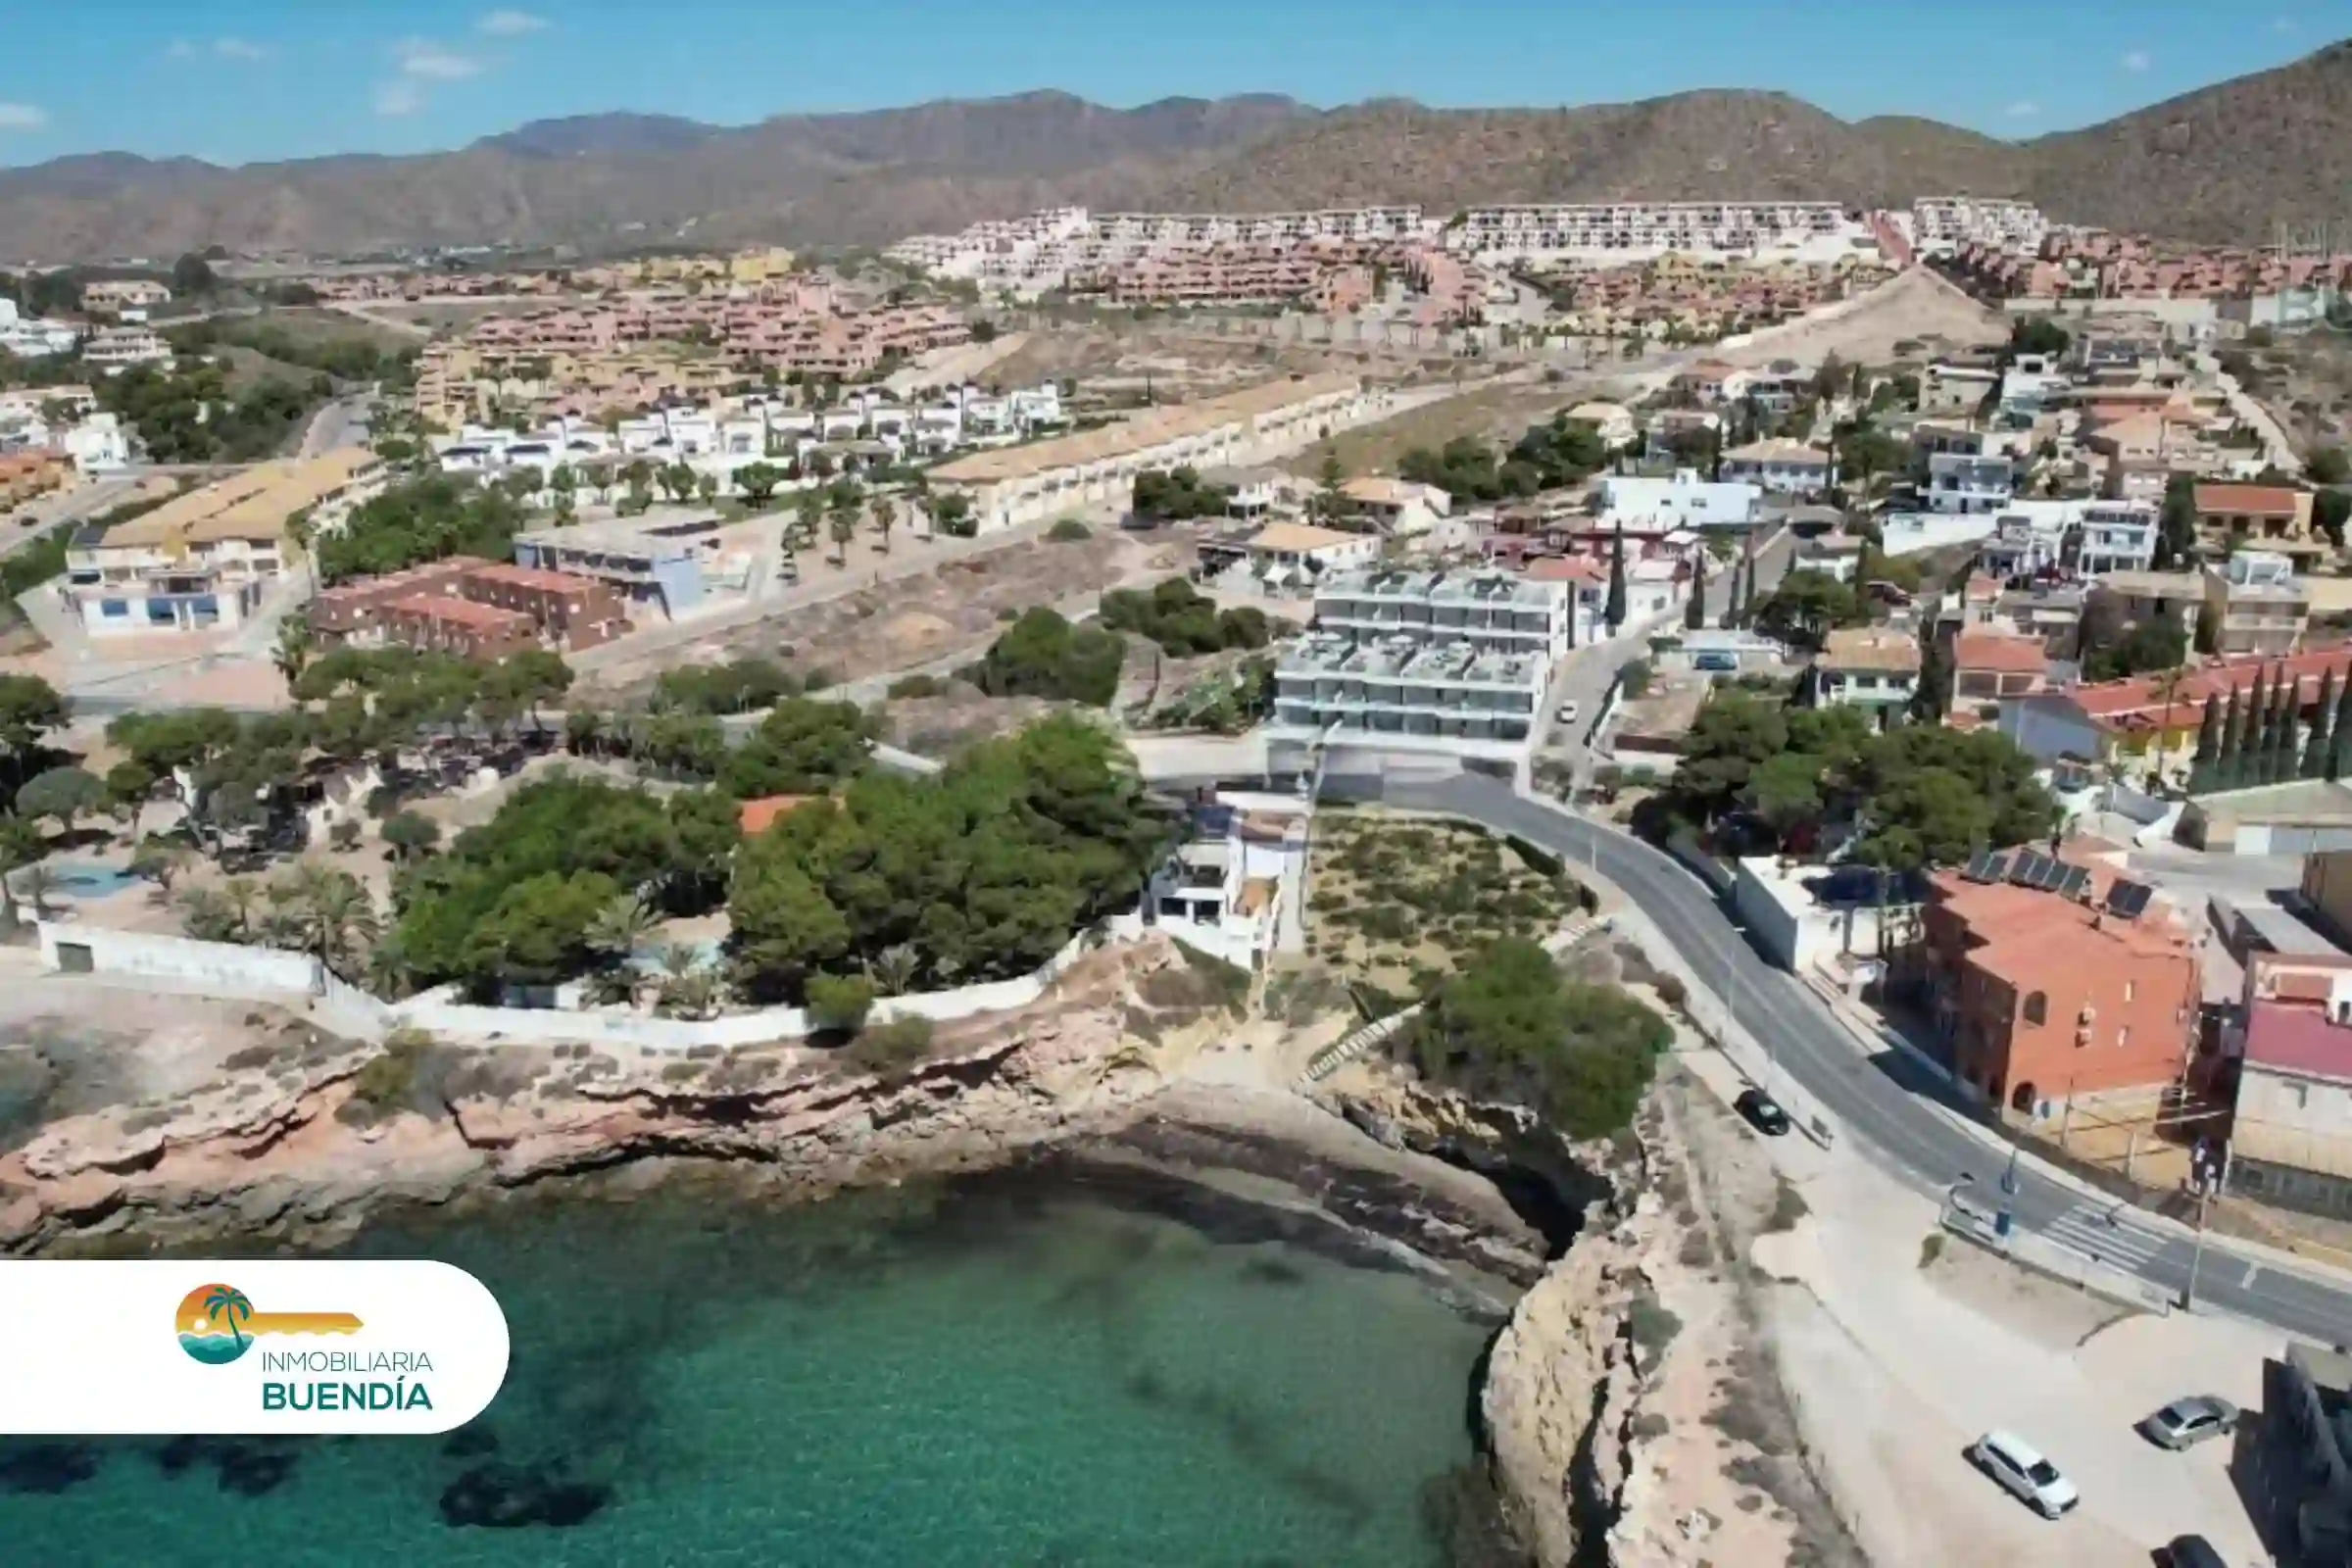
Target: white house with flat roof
[(1684, 500)]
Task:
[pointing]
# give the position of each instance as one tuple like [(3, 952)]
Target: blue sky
[(245, 81)]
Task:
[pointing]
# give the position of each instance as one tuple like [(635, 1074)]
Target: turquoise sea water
[(1031, 1369)]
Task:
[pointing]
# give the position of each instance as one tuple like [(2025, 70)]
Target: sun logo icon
[(217, 1323)]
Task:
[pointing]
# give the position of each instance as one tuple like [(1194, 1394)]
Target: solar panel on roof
[(2076, 879), (2027, 872), (1997, 868), (2053, 875), (1978, 868), (2130, 899)]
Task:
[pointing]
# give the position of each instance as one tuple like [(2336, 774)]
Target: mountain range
[(2225, 163)]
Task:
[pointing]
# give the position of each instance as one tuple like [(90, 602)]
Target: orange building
[(2046, 998)]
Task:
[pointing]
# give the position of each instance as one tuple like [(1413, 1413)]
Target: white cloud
[(2023, 109), (512, 23), (2283, 25), (422, 57), (399, 98), (2137, 60), (238, 49), (23, 117)]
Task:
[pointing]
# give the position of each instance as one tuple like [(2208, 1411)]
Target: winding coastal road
[(1886, 1102)]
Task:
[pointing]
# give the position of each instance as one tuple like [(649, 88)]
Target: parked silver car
[(2184, 1423), (2023, 1472)]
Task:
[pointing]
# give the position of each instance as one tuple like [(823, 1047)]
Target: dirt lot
[(2306, 383), (957, 717), (1917, 306), (1498, 413), (1120, 363), (1399, 904), (915, 622)]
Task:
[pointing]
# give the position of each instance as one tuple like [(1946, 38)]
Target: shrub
[(1672, 992), (1230, 980), (892, 1047), (913, 686), (1654, 1327), (1537, 859), (839, 1000), (388, 1076), (1068, 531)]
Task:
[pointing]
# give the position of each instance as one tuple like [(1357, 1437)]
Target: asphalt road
[(1886, 1103)]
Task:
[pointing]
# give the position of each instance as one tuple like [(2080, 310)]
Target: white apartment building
[(1966, 485), (2115, 536), (1684, 500), (1029, 256), (1065, 474), (1453, 663), (124, 294), (119, 347), (1784, 467), (1940, 224), (1875, 668), (1634, 230), (34, 338)]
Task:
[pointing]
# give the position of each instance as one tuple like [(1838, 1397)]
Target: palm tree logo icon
[(217, 1323)]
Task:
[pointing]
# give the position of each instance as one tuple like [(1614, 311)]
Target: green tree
[(1694, 613), (1932, 698), (2331, 510), (885, 514), (758, 481), (803, 746), (1616, 608), (1508, 1028), (64, 793), (1805, 607), (2321, 745), (410, 834), (1041, 654), (1785, 790), (129, 786), (2327, 465), (2176, 524), (29, 708)]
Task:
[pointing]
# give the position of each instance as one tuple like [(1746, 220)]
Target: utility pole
[(2207, 1180)]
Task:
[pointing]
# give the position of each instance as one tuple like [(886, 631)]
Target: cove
[(1045, 1366)]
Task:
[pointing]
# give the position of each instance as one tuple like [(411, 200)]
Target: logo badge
[(217, 1323)]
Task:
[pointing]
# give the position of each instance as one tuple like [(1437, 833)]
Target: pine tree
[(2321, 745), (1932, 698), (1616, 606), (2233, 744), (1694, 613), (2209, 730), (2339, 756), (2287, 690), (2254, 755)]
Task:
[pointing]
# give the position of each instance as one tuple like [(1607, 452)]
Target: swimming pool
[(85, 879)]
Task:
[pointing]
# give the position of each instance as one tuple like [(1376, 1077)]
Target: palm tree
[(35, 884), (893, 970), (620, 927), (808, 510), (294, 643), (885, 516), (689, 987), (342, 919), (388, 973), (707, 487), (224, 1300), (237, 895), (841, 524), (584, 729)]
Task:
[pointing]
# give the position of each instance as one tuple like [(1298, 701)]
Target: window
[(2038, 1007), (2302, 1094), (2130, 987), (2122, 1036)]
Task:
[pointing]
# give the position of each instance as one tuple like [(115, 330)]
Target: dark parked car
[(2185, 1423), (1763, 1112), (2188, 1551)]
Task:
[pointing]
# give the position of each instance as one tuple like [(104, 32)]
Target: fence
[(2062, 1263), (268, 974)]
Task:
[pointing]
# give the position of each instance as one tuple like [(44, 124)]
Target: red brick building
[(556, 608), (2046, 998), (439, 623)]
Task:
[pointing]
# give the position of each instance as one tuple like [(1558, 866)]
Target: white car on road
[(2021, 1470)]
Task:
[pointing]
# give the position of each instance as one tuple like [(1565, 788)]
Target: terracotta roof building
[(1988, 665), (2047, 997), (2290, 1140)]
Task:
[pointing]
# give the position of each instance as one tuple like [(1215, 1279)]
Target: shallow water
[(1034, 1368)]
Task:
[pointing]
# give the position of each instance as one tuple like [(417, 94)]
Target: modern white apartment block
[(1968, 485), (1408, 693), (2116, 536), (119, 347), (1489, 610), (1448, 661), (34, 338), (1939, 224), (1634, 230)]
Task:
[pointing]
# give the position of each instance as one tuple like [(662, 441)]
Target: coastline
[(1090, 1082)]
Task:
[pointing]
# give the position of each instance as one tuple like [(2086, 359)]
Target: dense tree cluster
[(1544, 457), (428, 519), (1508, 1028), (519, 901), (2141, 647), (188, 415), (2257, 737), (1184, 621), (1805, 607), (981, 871), (1919, 795), (1041, 654), (347, 356), (737, 686), (1165, 496)]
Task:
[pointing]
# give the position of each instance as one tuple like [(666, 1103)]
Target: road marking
[(2248, 1283), (2085, 1229)]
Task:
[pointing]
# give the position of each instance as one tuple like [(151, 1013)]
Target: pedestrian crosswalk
[(2099, 1232)]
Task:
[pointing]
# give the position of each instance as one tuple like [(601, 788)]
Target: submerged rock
[(47, 1468), (510, 1496)]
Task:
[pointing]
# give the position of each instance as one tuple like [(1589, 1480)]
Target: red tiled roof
[(1999, 653), (757, 816), (462, 613), (2264, 499), (2108, 702), (558, 583), (2298, 1040), (1564, 569)]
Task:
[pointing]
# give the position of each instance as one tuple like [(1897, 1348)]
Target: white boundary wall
[(268, 974)]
